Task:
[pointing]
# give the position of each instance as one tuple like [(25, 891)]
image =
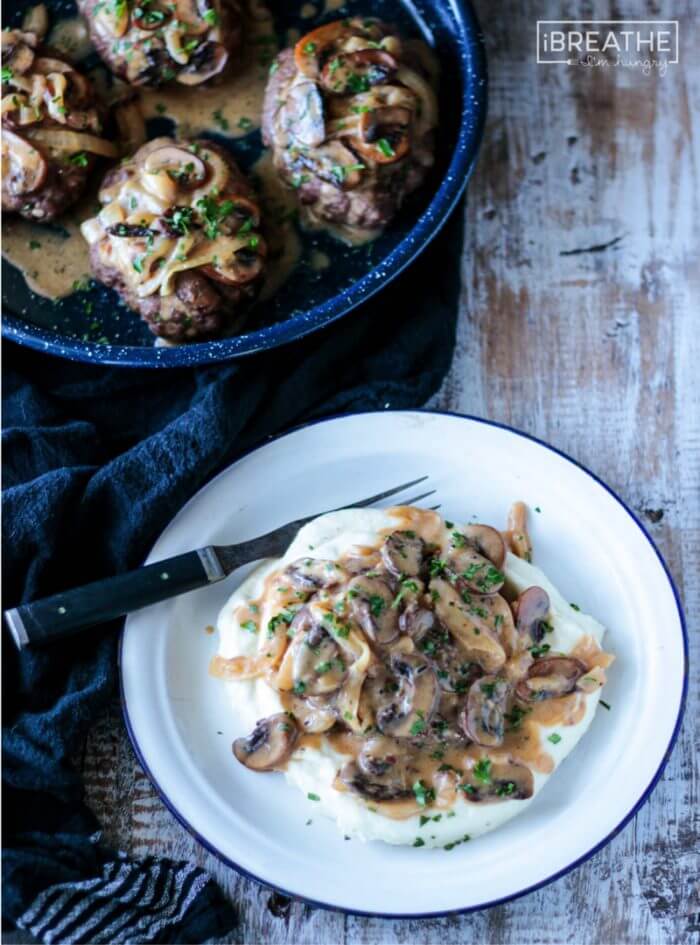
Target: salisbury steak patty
[(52, 129), (151, 42), (178, 238), (350, 116)]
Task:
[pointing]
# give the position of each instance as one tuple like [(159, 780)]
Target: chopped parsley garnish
[(309, 48), (540, 650), (286, 616), (180, 220), (507, 788), (80, 159), (211, 17), (299, 687), (515, 717), (7, 74), (575, 607), (222, 122), (423, 795), (340, 171), (492, 577), (419, 725), (385, 147), (472, 571), (250, 625), (340, 629), (245, 124), (418, 842), (436, 567), (313, 797), (488, 689), (138, 264), (482, 770), (34, 244), (554, 738), (458, 539), (376, 604), (214, 213), (161, 108), (360, 83), (324, 667)]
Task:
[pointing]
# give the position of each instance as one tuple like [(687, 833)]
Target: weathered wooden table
[(580, 323)]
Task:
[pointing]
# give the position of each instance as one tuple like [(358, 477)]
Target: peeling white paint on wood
[(594, 348)]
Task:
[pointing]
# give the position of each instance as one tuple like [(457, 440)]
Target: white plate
[(586, 540)]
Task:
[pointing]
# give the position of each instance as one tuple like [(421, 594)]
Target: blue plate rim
[(429, 223), (559, 874)]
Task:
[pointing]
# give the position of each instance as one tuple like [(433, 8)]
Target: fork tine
[(417, 498), (363, 503)]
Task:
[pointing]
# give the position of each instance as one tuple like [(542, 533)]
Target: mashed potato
[(313, 767)]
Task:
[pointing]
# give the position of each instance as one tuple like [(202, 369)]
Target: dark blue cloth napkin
[(96, 463)]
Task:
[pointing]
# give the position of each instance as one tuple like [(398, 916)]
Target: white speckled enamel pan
[(585, 539)]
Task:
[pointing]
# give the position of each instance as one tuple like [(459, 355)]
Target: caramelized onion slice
[(74, 141)]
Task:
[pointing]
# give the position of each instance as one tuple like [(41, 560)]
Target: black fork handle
[(50, 619)]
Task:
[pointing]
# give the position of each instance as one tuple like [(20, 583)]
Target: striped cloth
[(145, 901)]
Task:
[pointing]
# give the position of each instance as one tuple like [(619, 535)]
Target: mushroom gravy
[(412, 674)]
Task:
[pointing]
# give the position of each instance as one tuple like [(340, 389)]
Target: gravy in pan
[(54, 261)]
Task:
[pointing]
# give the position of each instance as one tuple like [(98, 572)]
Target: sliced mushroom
[(550, 677), (17, 56), (351, 73), (24, 166), (465, 621), (183, 166), (472, 570), (244, 213), (410, 709), (130, 230), (371, 599), (269, 745), (416, 621), (402, 554), (381, 772), (455, 673), (313, 715), (333, 163), (308, 50), (384, 135), (488, 542), (491, 781), (531, 610), (150, 16), (301, 114), (208, 60), (318, 665), (483, 716), (240, 267), (310, 574)]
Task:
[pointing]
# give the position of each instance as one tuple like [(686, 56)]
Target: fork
[(58, 616)]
